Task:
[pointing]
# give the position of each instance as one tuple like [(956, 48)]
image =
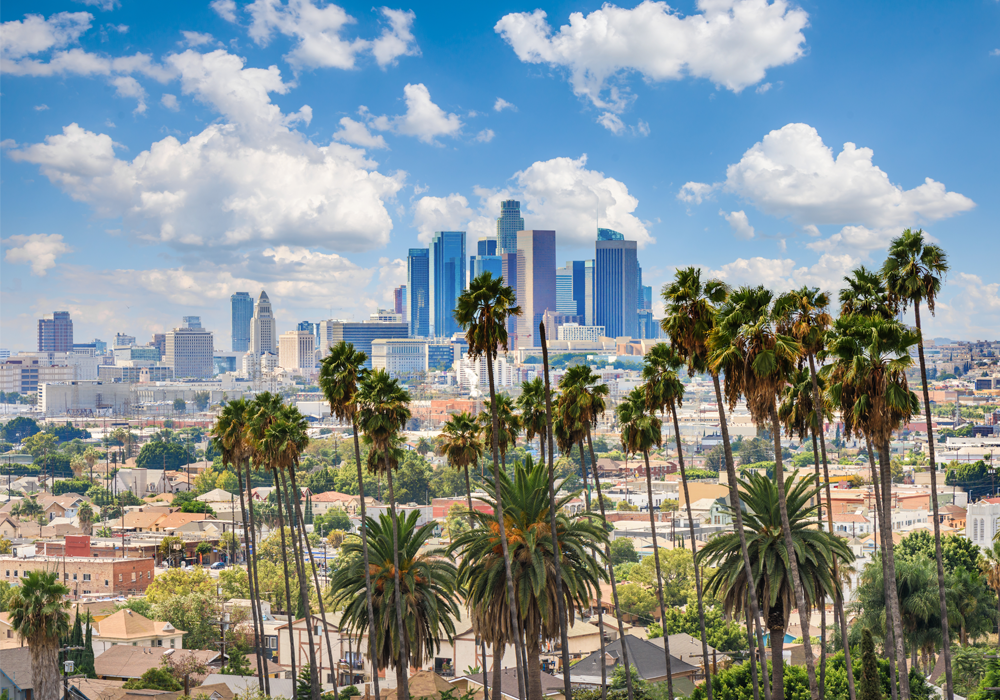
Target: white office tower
[(262, 335)]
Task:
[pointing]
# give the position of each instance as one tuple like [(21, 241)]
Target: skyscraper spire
[(509, 223)]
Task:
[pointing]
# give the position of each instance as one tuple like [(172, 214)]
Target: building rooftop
[(126, 624)]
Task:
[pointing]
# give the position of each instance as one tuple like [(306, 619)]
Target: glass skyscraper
[(536, 283), (242, 315), (418, 292), (565, 304), (616, 302), (447, 258), (509, 223), (485, 259), (607, 234)]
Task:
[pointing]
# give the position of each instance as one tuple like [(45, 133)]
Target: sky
[(157, 157)]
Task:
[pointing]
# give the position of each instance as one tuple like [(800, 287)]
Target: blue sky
[(157, 158)]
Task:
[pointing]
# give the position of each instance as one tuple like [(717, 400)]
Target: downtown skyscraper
[(447, 280), (263, 337), (509, 223), (55, 332), (418, 292), (616, 302), (242, 314), (485, 259), (536, 283)]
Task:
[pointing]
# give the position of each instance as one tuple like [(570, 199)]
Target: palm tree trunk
[(694, 557), (532, 644), (659, 579), (777, 637), (364, 548), (949, 688), (533, 650), (319, 597), (892, 594), (737, 506), (482, 642), (284, 564), (750, 649), (793, 564), (44, 653), (822, 600), (498, 649), (600, 608), (888, 647), (257, 624), (300, 573), (838, 601), (403, 662), (611, 572), (252, 573), (511, 598)]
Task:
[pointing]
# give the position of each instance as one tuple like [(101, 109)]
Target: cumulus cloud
[(106, 5), (612, 122), (248, 179), (695, 192), (170, 102), (35, 34), (226, 9), (739, 223), (127, 86), (783, 274), (451, 213), (196, 39), (318, 30), (39, 250), (41, 108), (358, 134), (729, 42), (423, 119), (485, 136), (501, 104)]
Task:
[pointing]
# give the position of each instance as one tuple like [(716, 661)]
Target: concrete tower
[(262, 335)]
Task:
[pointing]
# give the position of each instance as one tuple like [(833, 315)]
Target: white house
[(982, 521)]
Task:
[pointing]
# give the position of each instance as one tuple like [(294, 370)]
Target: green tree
[(636, 599), (724, 635), (180, 405), (19, 428), (178, 582), (201, 399), (623, 551), (197, 507), (38, 613), (156, 678), (195, 613), (80, 486), (158, 454), (227, 481), (239, 666)]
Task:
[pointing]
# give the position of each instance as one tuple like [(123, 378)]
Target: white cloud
[(642, 128), (423, 118), (226, 9), (170, 102), (358, 134), (612, 122), (730, 42), (41, 108), (739, 223), (250, 179), (782, 275), (761, 89), (396, 39), (431, 214), (127, 86), (106, 5), (792, 173), (35, 34), (196, 39), (995, 52), (501, 104), (485, 136), (37, 249), (967, 308), (695, 192), (120, 28)]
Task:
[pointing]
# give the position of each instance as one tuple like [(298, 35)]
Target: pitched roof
[(127, 624), (424, 684), (215, 496), (16, 665), (508, 683), (122, 661), (647, 657), (177, 519), (684, 646), (332, 497)]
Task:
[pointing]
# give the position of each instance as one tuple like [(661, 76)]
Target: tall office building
[(191, 321), (399, 300), (418, 291), (262, 333), (360, 335), (189, 352), (509, 223), (606, 234), (575, 290), (485, 259), (536, 283), (242, 304), (447, 280), (565, 304), (616, 302), (297, 350), (55, 332), (508, 270)]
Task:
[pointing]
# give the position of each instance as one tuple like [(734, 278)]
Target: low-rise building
[(983, 521), (85, 576), (132, 629)]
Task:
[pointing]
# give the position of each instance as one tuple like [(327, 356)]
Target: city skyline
[(130, 200)]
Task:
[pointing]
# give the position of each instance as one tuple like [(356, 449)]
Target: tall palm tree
[(40, 615), (691, 308), (990, 568), (230, 439), (864, 294), (532, 556), (640, 432), (913, 273), (383, 406), (338, 378), (665, 391), (757, 359), (508, 425), (867, 381), (86, 515), (583, 399), (531, 403), (776, 584), (400, 559)]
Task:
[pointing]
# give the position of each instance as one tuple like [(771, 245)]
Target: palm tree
[(383, 406), (990, 568), (757, 359), (338, 378), (640, 431), (90, 456), (400, 559), (508, 425), (865, 294), (867, 383), (664, 390), (527, 522), (691, 308), (230, 439), (531, 403), (768, 523), (39, 614), (86, 515), (583, 399), (913, 273)]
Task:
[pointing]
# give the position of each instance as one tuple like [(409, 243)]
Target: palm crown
[(640, 428), (508, 424), (482, 310), (663, 389), (864, 294), (803, 315), (460, 443), (531, 402), (338, 378), (914, 269), (690, 314), (383, 410)]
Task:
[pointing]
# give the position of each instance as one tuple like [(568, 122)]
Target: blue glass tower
[(418, 291), (485, 259), (616, 299), (509, 223), (242, 315), (606, 234), (447, 278)]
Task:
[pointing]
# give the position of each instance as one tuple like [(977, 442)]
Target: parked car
[(219, 565)]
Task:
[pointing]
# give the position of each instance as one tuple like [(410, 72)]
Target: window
[(66, 577), (8, 572), (159, 642), (74, 575), (120, 578), (171, 643), (133, 573), (15, 573), (975, 531), (86, 577), (106, 583)]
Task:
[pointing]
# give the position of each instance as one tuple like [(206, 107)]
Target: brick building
[(86, 575)]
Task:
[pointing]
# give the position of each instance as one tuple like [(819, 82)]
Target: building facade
[(536, 282), (418, 290), (242, 314), (360, 335), (509, 223), (982, 521), (190, 352), (574, 331), (616, 299), (399, 300), (447, 280), (263, 337), (297, 351), (55, 332), (85, 575)]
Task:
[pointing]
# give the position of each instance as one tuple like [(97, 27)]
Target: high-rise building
[(158, 341), (418, 292), (191, 321), (485, 259), (575, 289), (536, 283), (606, 234), (242, 304), (55, 332), (447, 280), (509, 223), (565, 304), (123, 340), (189, 352), (399, 300), (508, 270), (297, 350), (616, 300), (262, 333), (360, 335)]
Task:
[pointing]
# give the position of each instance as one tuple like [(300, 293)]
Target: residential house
[(688, 649), (123, 663), (132, 629), (850, 524), (9, 529), (647, 657), (141, 482), (9, 639), (551, 685), (16, 679), (950, 515)]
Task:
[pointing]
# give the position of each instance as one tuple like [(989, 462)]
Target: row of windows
[(86, 577)]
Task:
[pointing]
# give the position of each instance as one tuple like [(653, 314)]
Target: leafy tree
[(6, 548), (80, 486), (715, 458), (958, 552), (156, 678), (457, 521), (180, 405), (159, 454), (197, 507), (65, 433), (636, 599), (194, 613), (227, 481), (201, 399), (303, 684), (974, 477), (412, 479), (239, 666), (623, 551), (754, 450), (178, 582), (724, 635), (17, 429)]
